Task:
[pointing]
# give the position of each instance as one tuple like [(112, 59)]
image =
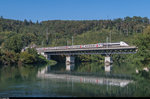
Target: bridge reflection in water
[(46, 73)]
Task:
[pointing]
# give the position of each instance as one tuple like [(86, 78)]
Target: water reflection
[(44, 70), (70, 67), (26, 72), (108, 68), (48, 74), (34, 81)]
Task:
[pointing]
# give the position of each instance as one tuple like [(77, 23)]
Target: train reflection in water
[(46, 73)]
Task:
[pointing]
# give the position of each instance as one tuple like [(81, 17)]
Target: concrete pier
[(108, 61), (108, 64), (70, 59), (70, 63)]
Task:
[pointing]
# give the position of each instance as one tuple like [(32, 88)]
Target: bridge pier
[(108, 63), (70, 59), (70, 63)]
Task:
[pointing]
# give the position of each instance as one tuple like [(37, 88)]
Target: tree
[(25, 22), (9, 57), (37, 22), (14, 43), (147, 30), (1, 17), (142, 57), (27, 58)]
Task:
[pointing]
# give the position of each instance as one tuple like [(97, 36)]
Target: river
[(77, 80)]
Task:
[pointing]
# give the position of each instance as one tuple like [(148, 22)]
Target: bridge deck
[(89, 49), (79, 51)]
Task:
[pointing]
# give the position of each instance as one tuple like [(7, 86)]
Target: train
[(98, 45)]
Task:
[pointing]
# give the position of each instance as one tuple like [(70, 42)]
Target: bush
[(27, 58), (9, 57)]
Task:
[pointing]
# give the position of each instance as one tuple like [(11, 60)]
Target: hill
[(57, 32)]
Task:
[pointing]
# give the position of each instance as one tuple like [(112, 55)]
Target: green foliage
[(31, 56), (143, 55), (27, 58), (1, 56), (51, 62), (18, 41), (33, 52), (90, 58), (14, 43), (56, 32), (8, 57), (41, 59)]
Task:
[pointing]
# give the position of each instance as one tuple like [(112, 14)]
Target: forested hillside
[(57, 32)]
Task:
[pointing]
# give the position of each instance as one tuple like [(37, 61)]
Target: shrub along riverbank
[(30, 56)]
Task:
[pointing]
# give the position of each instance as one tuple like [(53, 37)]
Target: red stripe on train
[(96, 45), (80, 46)]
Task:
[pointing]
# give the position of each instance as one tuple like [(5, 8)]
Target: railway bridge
[(70, 53)]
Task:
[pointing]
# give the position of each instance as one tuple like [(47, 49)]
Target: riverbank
[(51, 62), (30, 56)]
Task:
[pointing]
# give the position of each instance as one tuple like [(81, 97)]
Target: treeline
[(30, 56), (56, 32)]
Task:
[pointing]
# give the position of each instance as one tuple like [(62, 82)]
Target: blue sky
[(73, 9)]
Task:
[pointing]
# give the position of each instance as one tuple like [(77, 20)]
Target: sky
[(43, 10)]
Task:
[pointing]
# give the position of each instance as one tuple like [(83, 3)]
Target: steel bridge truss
[(97, 52)]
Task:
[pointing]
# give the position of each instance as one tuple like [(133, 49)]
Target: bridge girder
[(97, 52)]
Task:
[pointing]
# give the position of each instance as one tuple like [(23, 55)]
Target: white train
[(121, 44), (98, 45)]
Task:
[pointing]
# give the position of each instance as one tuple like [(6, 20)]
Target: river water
[(79, 80)]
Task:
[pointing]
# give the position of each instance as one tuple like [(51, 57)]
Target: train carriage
[(98, 45)]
